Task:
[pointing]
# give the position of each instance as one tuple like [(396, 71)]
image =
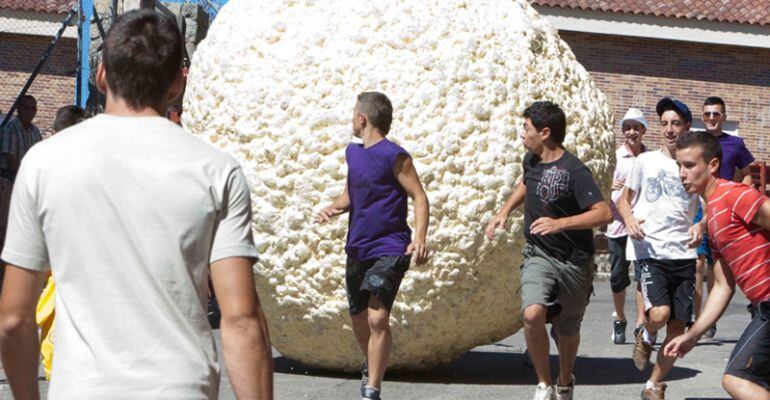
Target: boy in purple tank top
[(379, 245)]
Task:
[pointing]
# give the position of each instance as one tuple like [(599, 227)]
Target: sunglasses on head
[(715, 114)]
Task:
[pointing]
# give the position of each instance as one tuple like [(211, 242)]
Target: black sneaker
[(619, 332), (370, 393), (364, 378)]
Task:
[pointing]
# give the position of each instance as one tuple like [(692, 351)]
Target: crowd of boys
[(132, 216)]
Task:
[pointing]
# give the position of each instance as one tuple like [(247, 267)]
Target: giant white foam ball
[(274, 84)]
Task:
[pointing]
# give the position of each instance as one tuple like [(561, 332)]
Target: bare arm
[(339, 206), (745, 174), (718, 299), (762, 217), (514, 201), (407, 177), (597, 215), (633, 225), (245, 338), (19, 343)]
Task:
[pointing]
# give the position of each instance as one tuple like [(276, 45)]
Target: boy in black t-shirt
[(562, 203)]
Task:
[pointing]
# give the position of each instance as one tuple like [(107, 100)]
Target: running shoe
[(364, 377), (543, 392), (642, 352), (619, 332), (370, 393), (657, 392), (565, 392)]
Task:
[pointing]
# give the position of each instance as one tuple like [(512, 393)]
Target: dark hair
[(706, 141), (713, 101), (68, 116), (142, 57), (29, 97), (377, 108), (545, 114)]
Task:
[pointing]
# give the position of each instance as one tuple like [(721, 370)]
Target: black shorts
[(750, 359), (619, 280), (380, 277), (669, 283)]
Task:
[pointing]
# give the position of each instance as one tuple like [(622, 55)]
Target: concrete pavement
[(497, 371)]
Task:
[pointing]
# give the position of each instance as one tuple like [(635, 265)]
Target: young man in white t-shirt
[(131, 214), (662, 241), (634, 127)]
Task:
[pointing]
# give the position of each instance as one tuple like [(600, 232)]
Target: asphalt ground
[(498, 371)]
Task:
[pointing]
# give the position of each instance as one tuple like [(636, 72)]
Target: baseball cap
[(668, 103), (635, 114)]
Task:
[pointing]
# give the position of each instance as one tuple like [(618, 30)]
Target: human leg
[(747, 375), (697, 298), (539, 277), (538, 344), (380, 341)]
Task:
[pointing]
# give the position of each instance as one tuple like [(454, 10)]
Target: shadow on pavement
[(498, 368)]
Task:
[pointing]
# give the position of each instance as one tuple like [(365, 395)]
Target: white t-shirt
[(129, 213), (624, 162), (665, 207)]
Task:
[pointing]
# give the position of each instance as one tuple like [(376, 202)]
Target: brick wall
[(54, 86), (637, 72)]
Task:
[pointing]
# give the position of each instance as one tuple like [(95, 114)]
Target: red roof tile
[(48, 6), (750, 12)]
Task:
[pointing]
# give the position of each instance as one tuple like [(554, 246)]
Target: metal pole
[(39, 66), (84, 73)]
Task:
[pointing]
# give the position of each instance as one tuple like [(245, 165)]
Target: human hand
[(618, 184), (696, 235), (328, 213), (498, 221), (546, 226), (634, 228), (418, 250), (680, 345)]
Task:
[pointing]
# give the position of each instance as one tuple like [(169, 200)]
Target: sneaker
[(543, 392), (642, 352), (656, 392), (619, 332), (565, 392), (711, 332), (364, 377), (370, 393)]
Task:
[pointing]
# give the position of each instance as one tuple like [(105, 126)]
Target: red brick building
[(638, 51), (26, 29)]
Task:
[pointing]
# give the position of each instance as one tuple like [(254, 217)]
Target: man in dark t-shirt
[(562, 203)]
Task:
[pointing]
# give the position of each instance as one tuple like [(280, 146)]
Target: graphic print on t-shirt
[(553, 184), (662, 184)]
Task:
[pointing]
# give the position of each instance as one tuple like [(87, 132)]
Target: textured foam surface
[(274, 84)]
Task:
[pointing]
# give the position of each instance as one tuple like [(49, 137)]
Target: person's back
[(130, 214), (131, 208)]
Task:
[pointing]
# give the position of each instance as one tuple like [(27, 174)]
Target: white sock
[(646, 336), (650, 385)]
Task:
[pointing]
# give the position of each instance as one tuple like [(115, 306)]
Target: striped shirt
[(16, 140), (743, 245)]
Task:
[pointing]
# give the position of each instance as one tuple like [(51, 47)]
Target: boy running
[(562, 203), (379, 246), (663, 241), (739, 220), (634, 126)]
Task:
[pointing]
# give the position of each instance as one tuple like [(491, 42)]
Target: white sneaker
[(543, 392), (564, 392)]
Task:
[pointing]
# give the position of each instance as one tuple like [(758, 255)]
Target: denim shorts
[(380, 277)]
